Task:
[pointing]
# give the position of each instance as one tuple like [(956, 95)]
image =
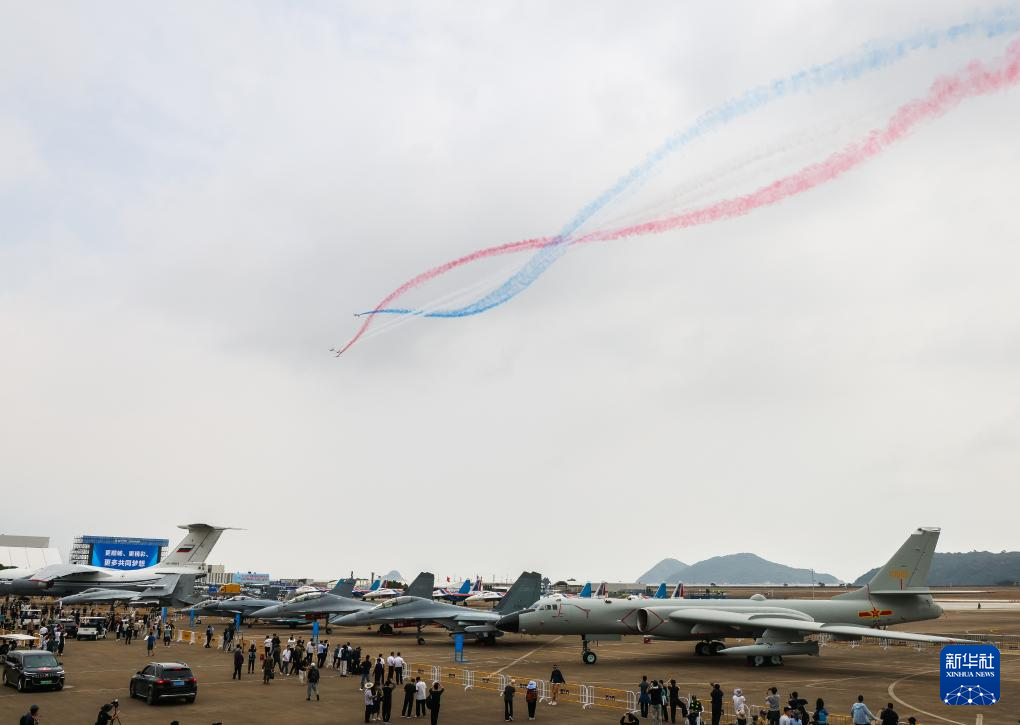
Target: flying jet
[(419, 611), (897, 593), (60, 579), (334, 603), (175, 590)]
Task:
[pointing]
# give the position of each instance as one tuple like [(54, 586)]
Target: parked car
[(91, 628), (162, 680), (25, 669)]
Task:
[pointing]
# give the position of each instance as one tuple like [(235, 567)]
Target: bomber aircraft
[(59, 579), (897, 593), (419, 610)]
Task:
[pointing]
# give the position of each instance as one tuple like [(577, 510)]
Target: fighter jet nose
[(510, 623)]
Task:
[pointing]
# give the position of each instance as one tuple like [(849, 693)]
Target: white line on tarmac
[(892, 694), (524, 656)]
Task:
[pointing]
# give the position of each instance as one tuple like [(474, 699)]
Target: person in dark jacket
[(387, 700), (30, 717), (643, 698), (655, 701), (267, 670), (675, 702), (508, 701), (313, 681), (434, 699), (888, 716), (379, 671), (238, 663), (251, 659), (716, 696), (407, 709)]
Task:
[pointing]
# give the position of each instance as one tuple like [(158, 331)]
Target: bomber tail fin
[(195, 547), (525, 591), (422, 586), (907, 571), (343, 588)]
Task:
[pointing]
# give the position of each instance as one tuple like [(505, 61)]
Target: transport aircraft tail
[(195, 547), (906, 572), (526, 591)]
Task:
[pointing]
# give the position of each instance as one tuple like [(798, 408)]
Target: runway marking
[(892, 694), (525, 655)]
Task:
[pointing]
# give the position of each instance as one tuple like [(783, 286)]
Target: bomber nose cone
[(510, 623)]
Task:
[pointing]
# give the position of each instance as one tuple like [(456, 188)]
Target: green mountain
[(972, 568), (733, 569)]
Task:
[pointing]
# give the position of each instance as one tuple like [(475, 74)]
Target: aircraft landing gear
[(385, 629), (708, 649), (421, 640), (762, 660), (587, 656)]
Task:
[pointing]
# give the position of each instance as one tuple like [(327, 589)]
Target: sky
[(196, 199)]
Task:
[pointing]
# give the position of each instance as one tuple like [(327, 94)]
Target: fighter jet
[(335, 603), (466, 590), (897, 593), (420, 610), (60, 579), (241, 604), (175, 590)]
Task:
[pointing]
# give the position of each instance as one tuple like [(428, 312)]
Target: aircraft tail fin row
[(195, 547), (343, 587), (907, 571), (525, 591)]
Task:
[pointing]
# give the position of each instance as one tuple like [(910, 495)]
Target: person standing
[(366, 672), (821, 715), (556, 679), (167, 632), (740, 709), (435, 699), (772, 703), (531, 698), (379, 670), (345, 657), (508, 701), (785, 718), (655, 702), (407, 709), (643, 696), (716, 695), (238, 662), (313, 681), (369, 703), (208, 636), (285, 658), (694, 710), (420, 690), (674, 701), (31, 717), (390, 665), (129, 632), (860, 714), (267, 669), (150, 643), (888, 716), (387, 700), (398, 668), (251, 658)]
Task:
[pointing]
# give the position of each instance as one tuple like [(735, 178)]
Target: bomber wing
[(764, 621)]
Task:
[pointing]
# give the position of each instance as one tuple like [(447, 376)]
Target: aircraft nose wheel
[(421, 640), (588, 657)]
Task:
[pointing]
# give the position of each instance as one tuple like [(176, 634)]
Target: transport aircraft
[(187, 558), (898, 593), (418, 611)]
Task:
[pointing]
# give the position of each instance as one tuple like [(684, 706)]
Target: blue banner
[(124, 556), (969, 674)]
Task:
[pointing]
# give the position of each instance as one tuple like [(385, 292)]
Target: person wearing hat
[(531, 697), (434, 700), (31, 717), (369, 702), (739, 706), (508, 701), (313, 681)]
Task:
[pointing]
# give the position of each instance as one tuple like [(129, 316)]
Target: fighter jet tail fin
[(465, 588), (907, 571), (195, 547), (660, 593), (422, 586), (526, 591), (343, 587), (603, 591), (585, 592), (678, 591)]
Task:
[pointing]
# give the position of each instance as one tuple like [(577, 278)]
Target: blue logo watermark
[(969, 674)]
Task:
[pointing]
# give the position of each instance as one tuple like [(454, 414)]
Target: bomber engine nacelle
[(655, 622)]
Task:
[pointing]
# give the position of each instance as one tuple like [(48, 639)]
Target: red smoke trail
[(945, 94)]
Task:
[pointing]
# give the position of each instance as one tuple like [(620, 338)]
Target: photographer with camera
[(109, 713)]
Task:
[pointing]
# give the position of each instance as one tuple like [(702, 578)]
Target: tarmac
[(98, 672)]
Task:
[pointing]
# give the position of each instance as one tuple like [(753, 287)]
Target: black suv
[(28, 668), (160, 680)]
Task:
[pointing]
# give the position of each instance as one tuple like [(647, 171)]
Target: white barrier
[(587, 696)]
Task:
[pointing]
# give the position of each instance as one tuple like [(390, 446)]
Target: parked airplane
[(335, 603), (418, 611), (241, 604), (175, 590), (897, 593), (358, 592), (484, 596), (466, 590), (59, 579), (375, 595)]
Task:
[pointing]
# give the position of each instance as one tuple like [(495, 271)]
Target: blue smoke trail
[(871, 57)]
